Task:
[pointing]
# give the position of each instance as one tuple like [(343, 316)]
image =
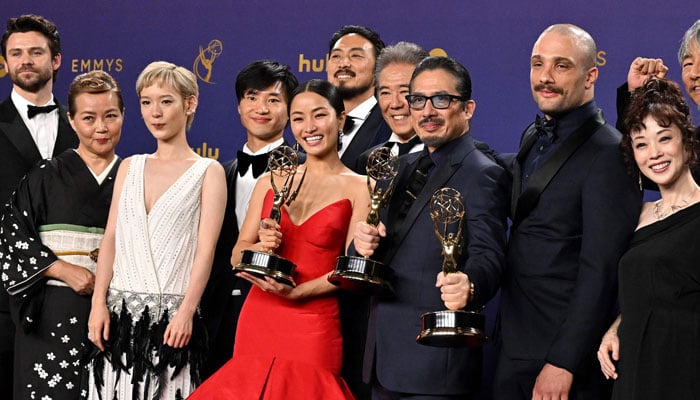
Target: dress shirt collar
[(569, 122), (362, 110), (21, 104), (265, 149)]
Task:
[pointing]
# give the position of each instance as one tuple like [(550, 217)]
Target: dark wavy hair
[(367, 33), (662, 100), (261, 74), (33, 23)]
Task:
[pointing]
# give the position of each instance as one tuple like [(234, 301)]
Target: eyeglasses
[(439, 101)]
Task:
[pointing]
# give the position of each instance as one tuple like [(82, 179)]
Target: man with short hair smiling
[(353, 51), (263, 90), (396, 365), (33, 126), (392, 76)]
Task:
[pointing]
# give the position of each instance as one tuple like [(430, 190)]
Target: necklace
[(660, 213)]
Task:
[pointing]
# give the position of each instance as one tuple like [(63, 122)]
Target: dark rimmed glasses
[(439, 101)]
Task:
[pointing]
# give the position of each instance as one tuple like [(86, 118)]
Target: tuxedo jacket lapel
[(66, 137), (372, 132), (17, 133), (528, 140), (438, 179)]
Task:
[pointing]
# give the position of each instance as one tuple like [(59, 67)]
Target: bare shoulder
[(123, 167), (215, 168), (352, 179)]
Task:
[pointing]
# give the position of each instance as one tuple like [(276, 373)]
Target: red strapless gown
[(290, 349)]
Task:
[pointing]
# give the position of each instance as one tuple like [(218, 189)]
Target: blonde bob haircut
[(165, 73)]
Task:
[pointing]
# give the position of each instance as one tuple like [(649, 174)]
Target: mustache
[(432, 120), (25, 69), (549, 88), (344, 71)]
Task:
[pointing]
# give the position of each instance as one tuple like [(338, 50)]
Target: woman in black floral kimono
[(49, 237)]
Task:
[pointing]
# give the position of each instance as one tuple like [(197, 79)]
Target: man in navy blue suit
[(398, 367), (574, 208)]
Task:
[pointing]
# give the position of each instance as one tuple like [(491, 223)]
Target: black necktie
[(32, 111), (416, 182), (405, 148), (545, 127), (258, 162)]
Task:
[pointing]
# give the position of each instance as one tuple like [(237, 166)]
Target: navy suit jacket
[(414, 254), (374, 131), (18, 154), (559, 289)]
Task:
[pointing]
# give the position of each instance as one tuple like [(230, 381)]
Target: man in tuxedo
[(263, 90), (33, 126), (353, 51), (396, 365), (392, 77), (574, 208)]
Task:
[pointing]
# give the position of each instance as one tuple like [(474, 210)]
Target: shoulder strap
[(541, 178)]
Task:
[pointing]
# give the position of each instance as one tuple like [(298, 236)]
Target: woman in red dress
[(288, 344)]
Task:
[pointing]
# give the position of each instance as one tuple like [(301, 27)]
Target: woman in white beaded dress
[(156, 254)]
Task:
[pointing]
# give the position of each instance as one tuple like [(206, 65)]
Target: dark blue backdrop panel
[(217, 38)]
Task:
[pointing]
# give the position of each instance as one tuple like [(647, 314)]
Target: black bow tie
[(545, 127), (32, 111), (259, 163), (405, 148), (349, 124)]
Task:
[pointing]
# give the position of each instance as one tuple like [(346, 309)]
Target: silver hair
[(690, 36)]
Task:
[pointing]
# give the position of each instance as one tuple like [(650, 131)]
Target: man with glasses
[(398, 367), (574, 208)]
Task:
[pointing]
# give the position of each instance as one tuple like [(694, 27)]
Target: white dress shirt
[(43, 127)]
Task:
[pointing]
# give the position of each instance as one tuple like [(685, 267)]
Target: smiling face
[(559, 78), (315, 124), (691, 72), (351, 66), (263, 114), (392, 88), (29, 61), (436, 127), (660, 152), (98, 123), (164, 111)]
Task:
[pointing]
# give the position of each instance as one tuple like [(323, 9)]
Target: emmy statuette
[(361, 274), (450, 328), (283, 163)]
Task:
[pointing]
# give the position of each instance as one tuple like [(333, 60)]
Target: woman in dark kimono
[(656, 336), (49, 238)]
